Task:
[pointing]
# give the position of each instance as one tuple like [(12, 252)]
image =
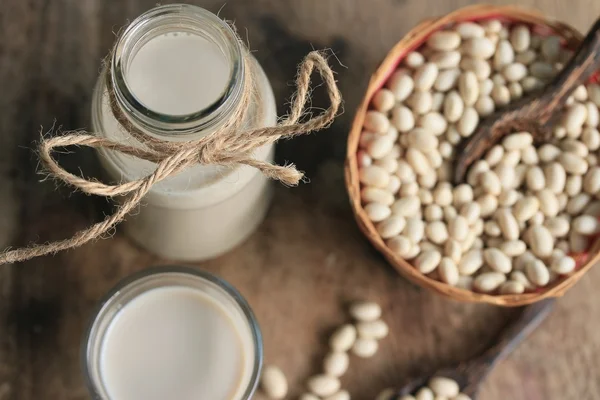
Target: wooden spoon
[(470, 375), (533, 113)]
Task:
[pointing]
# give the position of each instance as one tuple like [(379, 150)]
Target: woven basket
[(415, 38)]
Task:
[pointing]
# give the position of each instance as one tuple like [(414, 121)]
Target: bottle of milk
[(178, 72)]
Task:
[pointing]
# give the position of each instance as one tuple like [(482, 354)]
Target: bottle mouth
[(185, 20)]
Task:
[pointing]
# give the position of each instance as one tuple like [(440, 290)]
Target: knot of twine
[(230, 145)]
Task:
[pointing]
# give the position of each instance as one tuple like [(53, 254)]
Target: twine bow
[(229, 146)]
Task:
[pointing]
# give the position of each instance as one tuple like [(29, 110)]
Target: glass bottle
[(160, 87)]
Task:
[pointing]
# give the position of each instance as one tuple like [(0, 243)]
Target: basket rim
[(413, 39)]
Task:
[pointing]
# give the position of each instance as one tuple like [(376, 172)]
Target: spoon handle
[(510, 337), (534, 111), (580, 68)]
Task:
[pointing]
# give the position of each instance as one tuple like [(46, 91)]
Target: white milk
[(178, 73), (176, 343)]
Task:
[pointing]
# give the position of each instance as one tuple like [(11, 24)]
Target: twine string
[(231, 145)]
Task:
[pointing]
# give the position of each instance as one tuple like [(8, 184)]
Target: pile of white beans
[(360, 338), (438, 388), (523, 209)]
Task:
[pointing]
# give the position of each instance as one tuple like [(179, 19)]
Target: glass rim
[(112, 295), (151, 119)]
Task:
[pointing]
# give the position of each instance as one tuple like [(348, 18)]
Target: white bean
[(365, 311), (444, 40), (517, 141), (591, 181), (537, 273), (323, 385), (372, 329), (374, 176), (531, 83), (448, 271), (458, 228), (556, 177), (578, 243), (573, 163), (529, 155), (468, 122), (540, 70), (418, 161), (400, 245), (489, 281), (577, 203), (365, 348), (535, 178), (377, 212), (343, 338), (591, 138), (469, 30), (336, 363), (414, 59), (540, 241), (372, 194), (586, 225), (453, 250), (504, 55), (516, 90), (485, 105), (549, 204), (512, 287), (420, 102), (479, 47), (391, 226), (574, 118), (383, 100), (487, 204), (425, 76), (497, 260), (376, 122), (446, 80), (364, 160), (513, 248), (308, 396), (520, 38), (525, 208), (446, 59), (526, 57), (508, 224), (551, 48), (485, 87), (341, 395), (380, 146), (401, 85), (470, 262), (444, 387), (500, 95), (403, 118), (434, 122), (425, 394), (490, 183), (273, 382), (468, 88), (406, 206), (514, 72), (453, 106)]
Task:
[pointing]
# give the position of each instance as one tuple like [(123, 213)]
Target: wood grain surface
[(308, 258)]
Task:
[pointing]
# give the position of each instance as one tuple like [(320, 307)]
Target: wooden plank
[(307, 260)]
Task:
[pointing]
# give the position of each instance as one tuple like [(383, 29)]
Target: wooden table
[(306, 260)]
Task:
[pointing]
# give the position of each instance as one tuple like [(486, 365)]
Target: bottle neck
[(178, 21)]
